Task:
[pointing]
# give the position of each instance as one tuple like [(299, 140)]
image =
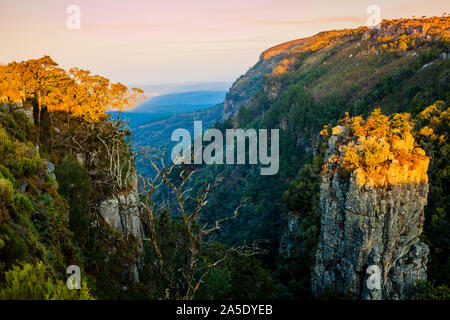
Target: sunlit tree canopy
[(75, 91)]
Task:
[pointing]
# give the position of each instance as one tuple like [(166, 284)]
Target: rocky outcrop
[(368, 228), (421, 29), (50, 169), (122, 213), (120, 210), (246, 86)]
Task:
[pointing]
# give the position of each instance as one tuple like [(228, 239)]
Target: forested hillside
[(69, 197), (302, 86), (57, 177)]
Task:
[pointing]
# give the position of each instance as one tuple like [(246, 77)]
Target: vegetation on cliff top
[(76, 91), (380, 150)]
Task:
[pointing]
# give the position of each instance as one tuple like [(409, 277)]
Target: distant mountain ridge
[(164, 106), (176, 100), (158, 133), (153, 90)]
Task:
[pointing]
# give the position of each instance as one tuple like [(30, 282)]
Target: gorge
[(363, 123)]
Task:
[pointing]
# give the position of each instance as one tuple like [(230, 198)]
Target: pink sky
[(148, 41)]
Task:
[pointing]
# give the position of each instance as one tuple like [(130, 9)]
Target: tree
[(42, 84), (184, 282)]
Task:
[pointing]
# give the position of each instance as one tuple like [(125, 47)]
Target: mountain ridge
[(282, 57)]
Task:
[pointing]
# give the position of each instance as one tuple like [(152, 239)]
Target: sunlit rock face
[(365, 223)]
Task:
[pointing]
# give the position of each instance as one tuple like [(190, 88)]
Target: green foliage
[(36, 226), (16, 247), (217, 284), (249, 280), (429, 54), (6, 192), (437, 210), (6, 197), (23, 204), (5, 173), (35, 282), (425, 291), (319, 89), (6, 145), (17, 125), (303, 192), (173, 241), (12, 126), (24, 124), (239, 277), (34, 222), (74, 185), (25, 167), (302, 197)]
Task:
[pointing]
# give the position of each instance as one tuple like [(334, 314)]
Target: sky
[(172, 41)]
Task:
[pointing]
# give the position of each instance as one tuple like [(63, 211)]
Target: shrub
[(5, 173), (26, 167), (74, 185), (23, 121), (23, 204), (6, 191), (381, 149), (6, 197), (425, 291), (35, 282), (17, 249), (6, 145)]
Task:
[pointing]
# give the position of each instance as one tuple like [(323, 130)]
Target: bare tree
[(193, 274), (106, 149), (120, 159)]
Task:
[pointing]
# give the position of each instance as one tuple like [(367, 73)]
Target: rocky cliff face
[(120, 209), (246, 86), (369, 227), (122, 212)]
